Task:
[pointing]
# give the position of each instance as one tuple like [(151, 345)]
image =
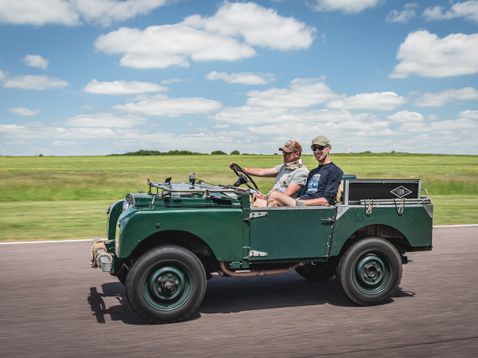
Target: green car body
[(213, 229)]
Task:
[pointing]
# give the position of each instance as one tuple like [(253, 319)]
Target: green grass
[(65, 197)]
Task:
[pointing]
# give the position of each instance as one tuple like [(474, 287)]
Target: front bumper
[(100, 257)]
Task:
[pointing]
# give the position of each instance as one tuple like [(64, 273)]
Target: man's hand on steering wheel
[(243, 177)]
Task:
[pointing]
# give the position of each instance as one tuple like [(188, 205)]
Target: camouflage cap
[(321, 140), (291, 146)]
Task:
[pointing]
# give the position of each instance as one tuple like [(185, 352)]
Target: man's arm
[(298, 180), (316, 202), (292, 189), (261, 172)]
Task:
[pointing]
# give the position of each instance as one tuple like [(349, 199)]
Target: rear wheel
[(370, 271), (317, 272), (166, 285)]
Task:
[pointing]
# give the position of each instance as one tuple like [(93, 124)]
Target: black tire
[(317, 272), (166, 284), (122, 276), (370, 271)]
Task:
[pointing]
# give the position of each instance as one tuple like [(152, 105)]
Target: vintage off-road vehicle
[(163, 245)]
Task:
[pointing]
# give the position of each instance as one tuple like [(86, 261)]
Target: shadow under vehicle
[(165, 244)]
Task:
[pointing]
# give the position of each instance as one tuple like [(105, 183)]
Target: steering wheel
[(243, 177)]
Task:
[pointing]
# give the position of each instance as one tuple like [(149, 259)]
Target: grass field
[(65, 197)]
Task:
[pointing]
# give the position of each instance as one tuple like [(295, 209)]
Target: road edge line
[(92, 239)]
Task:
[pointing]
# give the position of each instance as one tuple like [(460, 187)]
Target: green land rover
[(165, 244)]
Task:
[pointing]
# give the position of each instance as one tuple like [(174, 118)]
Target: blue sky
[(88, 77)]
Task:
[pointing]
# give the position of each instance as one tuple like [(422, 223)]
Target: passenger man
[(290, 176), (322, 183)]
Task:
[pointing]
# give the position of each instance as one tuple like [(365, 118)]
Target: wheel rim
[(167, 287), (372, 274)]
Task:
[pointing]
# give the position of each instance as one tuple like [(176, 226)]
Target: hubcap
[(167, 287), (372, 273)]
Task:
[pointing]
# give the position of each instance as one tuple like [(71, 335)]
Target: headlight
[(128, 202)]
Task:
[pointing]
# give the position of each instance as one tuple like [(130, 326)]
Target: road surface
[(53, 305)]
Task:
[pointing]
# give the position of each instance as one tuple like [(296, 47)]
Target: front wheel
[(370, 271), (166, 285)]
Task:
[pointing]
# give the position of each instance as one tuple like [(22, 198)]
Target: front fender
[(221, 229), (114, 212)]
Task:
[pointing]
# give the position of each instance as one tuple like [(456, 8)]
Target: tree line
[(175, 152)]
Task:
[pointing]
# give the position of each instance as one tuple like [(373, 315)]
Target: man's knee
[(272, 203), (274, 195), (280, 199)]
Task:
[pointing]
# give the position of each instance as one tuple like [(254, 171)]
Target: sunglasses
[(318, 147)]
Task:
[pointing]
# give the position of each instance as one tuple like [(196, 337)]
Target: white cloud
[(170, 45), (348, 131), (38, 12), (105, 12), (22, 111), (34, 82), (469, 114), (301, 93), (11, 128), (72, 12), (257, 25), (346, 6), (245, 78), (402, 16), (467, 10), (104, 120), (298, 102), (122, 87), (171, 107), (2, 75), (374, 101), (438, 99), (406, 117), (425, 54), (36, 61), (229, 35)]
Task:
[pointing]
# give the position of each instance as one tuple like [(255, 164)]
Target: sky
[(95, 77)]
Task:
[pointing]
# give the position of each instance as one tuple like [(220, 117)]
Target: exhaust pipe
[(247, 273)]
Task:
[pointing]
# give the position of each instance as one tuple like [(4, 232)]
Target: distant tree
[(235, 152), (40, 155), (218, 152), (157, 152), (181, 152)]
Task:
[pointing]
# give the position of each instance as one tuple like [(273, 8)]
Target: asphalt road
[(53, 305)]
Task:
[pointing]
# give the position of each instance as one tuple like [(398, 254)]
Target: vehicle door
[(290, 232)]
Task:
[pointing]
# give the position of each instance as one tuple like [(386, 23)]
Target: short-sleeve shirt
[(323, 182), (286, 176)]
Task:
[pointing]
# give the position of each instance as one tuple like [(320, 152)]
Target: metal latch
[(328, 220), (400, 206), (255, 253), (368, 207), (256, 214)]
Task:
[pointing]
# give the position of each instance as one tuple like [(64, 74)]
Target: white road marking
[(43, 242), (96, 238)]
